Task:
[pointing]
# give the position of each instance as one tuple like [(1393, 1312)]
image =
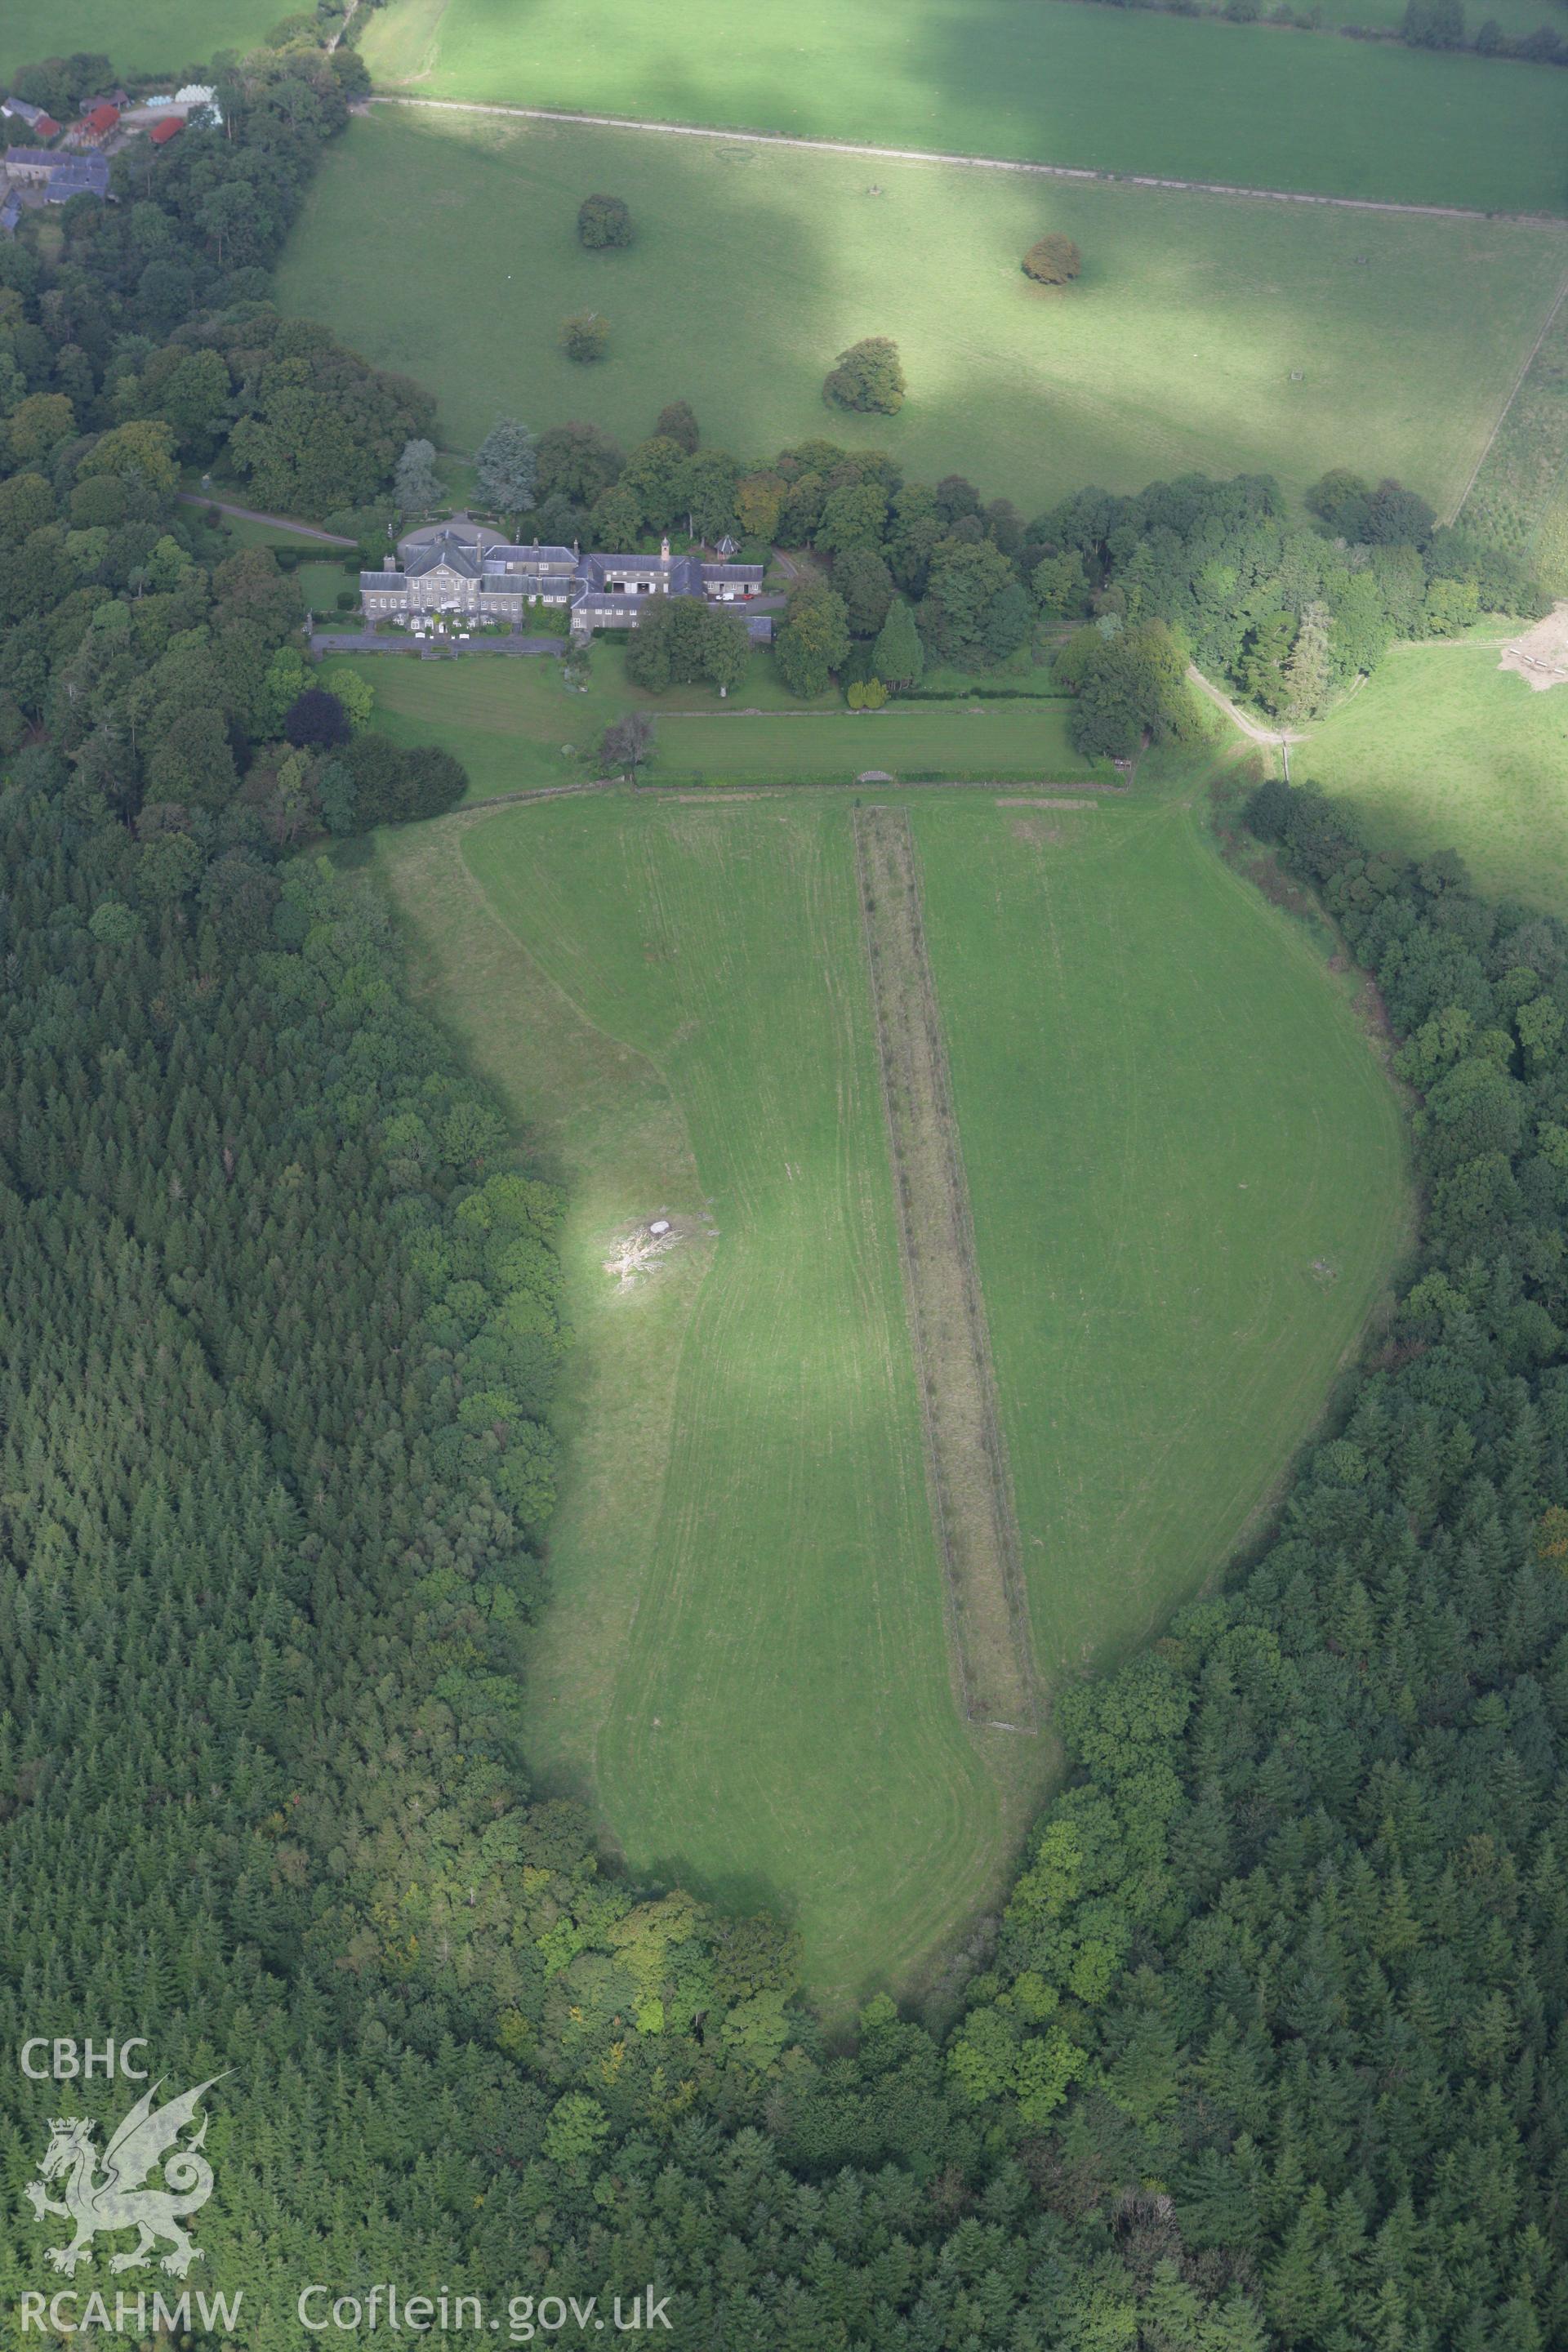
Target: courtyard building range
[(462, 569)]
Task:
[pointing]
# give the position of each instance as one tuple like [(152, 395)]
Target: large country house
[(462, 569)]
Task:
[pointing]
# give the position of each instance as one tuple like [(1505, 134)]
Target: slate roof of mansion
[(468, 556)]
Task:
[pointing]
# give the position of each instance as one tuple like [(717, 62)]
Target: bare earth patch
[(1541, 656), (637, 1252)]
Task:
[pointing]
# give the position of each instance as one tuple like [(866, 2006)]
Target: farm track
[(1274, 737), (966, 1463), (968, 163), (255, 514)]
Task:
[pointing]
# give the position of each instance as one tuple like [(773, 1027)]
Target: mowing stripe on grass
[(966, 1460)]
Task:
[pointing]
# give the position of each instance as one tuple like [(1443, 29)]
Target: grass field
[(154, 37), (1177, 351), (1168, 1114), (247, 533), (1101, 88), (515, 726), (1441, 749), (1519, 496)]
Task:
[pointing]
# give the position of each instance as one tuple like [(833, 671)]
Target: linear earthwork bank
[(1186, 1176), (966, 1458)]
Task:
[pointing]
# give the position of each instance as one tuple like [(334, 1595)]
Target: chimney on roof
[(577, 549), (389, 563), (664, 549)]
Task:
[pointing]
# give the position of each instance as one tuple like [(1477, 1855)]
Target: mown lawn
[(745, 1662), (1186, 1170), (1007, 740), (1205, 334), (1442, 750), (1168, 1115), (515, 726), (1103, 88), (320, 584)]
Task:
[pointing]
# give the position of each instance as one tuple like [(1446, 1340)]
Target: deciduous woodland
[(1257, 2033)]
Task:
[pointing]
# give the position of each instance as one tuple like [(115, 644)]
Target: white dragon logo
[(113, 2198)]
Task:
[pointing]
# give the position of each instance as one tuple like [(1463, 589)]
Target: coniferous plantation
[(1270, 2045)]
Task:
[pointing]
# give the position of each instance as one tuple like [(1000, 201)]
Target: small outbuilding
[(41, 124), (169, 127)]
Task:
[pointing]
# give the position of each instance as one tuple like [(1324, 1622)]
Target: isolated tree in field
[(585, 336), (1052, 259), (868, 376), (507, 466), (603, 222), (414, 485), (677, 422), (626, 743), (813, 640), (898, 657)]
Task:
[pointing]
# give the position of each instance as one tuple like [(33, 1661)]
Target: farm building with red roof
[(95, 126)]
